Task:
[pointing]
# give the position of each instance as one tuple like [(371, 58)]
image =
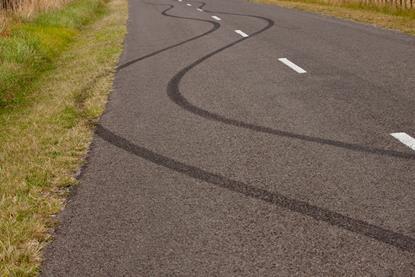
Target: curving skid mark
[(215, 27), (360, 227), (173, 91), (398, 240)]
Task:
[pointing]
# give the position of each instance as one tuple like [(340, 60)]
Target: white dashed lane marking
[(405, 139), (292, 65), (241, 33)]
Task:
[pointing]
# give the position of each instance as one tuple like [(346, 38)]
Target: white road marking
[(405, 139), (215, 17), (241, 33), (180, 0), (292, 65), (189, 5), (200, 10)]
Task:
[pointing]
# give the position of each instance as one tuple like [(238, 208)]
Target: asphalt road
[(253, 143)]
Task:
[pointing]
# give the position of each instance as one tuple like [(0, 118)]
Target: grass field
[(388, 17), (30, 48), (16, 11), (55, 75)]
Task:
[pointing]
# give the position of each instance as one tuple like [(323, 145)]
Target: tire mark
[(380, 234), (173, 91), (215, 26), (360, 227)]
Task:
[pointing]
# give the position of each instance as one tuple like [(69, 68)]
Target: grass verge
[(382, 16), (30, 47), (45, 134)]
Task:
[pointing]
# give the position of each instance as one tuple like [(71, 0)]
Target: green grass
[(389, 17), (58, 71), (31, 47)]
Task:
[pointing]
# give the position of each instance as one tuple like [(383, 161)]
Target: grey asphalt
[(215, 159)]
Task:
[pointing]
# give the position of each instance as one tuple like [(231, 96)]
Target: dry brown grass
[(12, 11), (3, 22), (386, 17), (28, 8), (398, 4)]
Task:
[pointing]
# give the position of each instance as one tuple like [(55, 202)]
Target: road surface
[(248, 140)]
